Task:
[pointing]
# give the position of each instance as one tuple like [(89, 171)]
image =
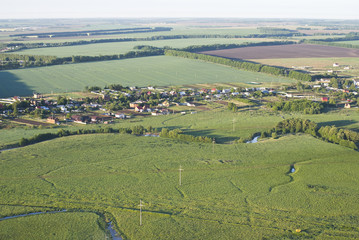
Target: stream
[(254, 140), (110, 227)]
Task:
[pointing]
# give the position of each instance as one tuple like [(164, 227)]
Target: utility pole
[(213, 142), (180, 173), (140, 212)]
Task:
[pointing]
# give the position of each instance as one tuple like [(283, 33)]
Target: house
[(140, 109), (37, 95), (134, 105), (347, 105), (53, 120), (226, 90), (166, 103), (325, 99), (214, 90), (335, 64)]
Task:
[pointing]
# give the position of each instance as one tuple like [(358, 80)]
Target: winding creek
[(110, 227), (254, 140)]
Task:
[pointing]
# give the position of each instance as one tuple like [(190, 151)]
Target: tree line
[(135, 130), (29, 45), (178, 134), (336, 41), (94, 32), (201, 48), (249, 66), (305, 106), (343, 137)]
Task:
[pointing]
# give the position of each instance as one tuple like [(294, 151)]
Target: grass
[(217, 123), (239, 190), (124, 47), (67, 225), (159, 71)]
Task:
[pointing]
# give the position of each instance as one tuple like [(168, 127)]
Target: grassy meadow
[(349, 42), (217, 123), (236, 191), (142, 72), (64, 225)]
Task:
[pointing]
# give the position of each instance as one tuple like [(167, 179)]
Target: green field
[(124, 47), (68, 225), (349, 42), (241, 191), (158, 71)]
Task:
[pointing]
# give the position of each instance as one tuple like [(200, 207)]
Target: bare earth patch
[(285, 51)]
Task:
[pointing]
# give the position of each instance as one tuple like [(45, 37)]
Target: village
[(117, 102)]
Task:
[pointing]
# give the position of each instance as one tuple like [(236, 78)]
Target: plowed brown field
[(285, 51)]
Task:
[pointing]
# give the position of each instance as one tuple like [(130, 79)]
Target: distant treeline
[(93, 32), (305, 106), (335, 41), (334, 44), (343, 137), (279, 31), (249, 66), (202, 48), (14, 61), (20, 46)]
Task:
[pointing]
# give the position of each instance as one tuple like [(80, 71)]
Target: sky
[(314, 9)]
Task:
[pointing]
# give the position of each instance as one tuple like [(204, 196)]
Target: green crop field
[(240, 191), (159, 71), (349, 42), (124, 47), (67, 225)]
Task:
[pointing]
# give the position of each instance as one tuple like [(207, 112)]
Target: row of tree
[(135, 130), (201, 48), (305, 106), (94, 32), (343, 137), (178, 134), (17, 46), (249, 66)]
